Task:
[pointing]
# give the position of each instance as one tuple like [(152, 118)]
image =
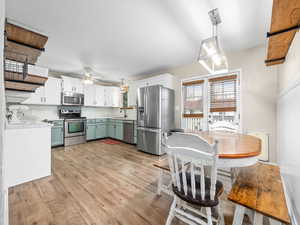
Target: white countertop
[(26, 125), (113, 118)]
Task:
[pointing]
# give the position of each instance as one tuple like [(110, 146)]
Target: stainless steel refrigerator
[(155, 115)]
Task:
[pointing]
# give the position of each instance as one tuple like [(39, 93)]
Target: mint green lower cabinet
[(111, 130), (101, 130), (90, 132), (57, 136), (119, 131)]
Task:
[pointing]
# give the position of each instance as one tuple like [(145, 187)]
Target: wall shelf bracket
[(270, 34)]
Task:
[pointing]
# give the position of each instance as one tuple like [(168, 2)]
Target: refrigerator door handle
[(149, 129), (145, 105)]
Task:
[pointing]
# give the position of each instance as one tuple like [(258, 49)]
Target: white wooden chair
[(195, 193), (225, 174), (223, 126)]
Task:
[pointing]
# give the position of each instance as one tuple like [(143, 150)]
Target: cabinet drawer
[(58, 123), (101, 120), (91, 121)]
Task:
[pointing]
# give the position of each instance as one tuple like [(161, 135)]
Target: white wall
[(289, 123), (259, 91), (289, 72), (3, 193)]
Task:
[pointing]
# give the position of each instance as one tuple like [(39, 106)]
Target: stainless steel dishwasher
[(128, 131)]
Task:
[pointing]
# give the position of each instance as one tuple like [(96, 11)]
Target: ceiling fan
[(90, 76)]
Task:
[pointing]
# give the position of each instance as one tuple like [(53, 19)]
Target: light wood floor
[(94, 184)]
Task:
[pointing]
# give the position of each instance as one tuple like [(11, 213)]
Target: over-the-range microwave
[(71, 98)]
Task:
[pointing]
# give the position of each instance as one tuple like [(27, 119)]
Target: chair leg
[(274, 222), (258, 219), (208, 214), (171, 212), (238, 215), (250, 214), (221, 214), (160, 181), (233, 175)]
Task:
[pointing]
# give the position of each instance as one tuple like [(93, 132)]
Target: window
[(211, 101), (223, 98), (193, 99), (223, 94)]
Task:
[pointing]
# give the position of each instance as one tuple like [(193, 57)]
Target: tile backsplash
[(131, 113), (38, 113)]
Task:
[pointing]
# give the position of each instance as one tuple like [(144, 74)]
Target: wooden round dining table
[(235, 149)]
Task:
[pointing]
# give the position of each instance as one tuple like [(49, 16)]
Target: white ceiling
[(120, 38)]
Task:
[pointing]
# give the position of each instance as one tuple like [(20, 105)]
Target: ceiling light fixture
[(88, 80), (211, 55), (123, 87)]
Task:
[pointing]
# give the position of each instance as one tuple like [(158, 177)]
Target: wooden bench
[(260, 189)]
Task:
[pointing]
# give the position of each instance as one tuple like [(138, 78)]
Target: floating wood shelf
[(24, 36), (28, 44), (22, 47), (34, 79), (21, 86), (284, 25), (130, 107), (25, 53)]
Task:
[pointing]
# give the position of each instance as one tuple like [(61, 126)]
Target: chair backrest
[(189, 155), (223, 126)]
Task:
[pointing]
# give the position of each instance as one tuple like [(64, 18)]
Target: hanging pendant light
[(211, 55)]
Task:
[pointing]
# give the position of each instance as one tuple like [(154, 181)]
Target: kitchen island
[(27, 152)]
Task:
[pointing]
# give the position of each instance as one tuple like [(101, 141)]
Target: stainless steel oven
[(71, 98), (74, 125), (75, 131)]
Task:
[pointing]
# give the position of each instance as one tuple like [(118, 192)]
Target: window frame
[(183, 99), (206, 109)]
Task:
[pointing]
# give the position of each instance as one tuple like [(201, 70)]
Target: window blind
[(193, 98), (223, 94)]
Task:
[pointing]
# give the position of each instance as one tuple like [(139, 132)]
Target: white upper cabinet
[(90, 95), (71, 84), (116, 97), (94, 95), (53, 91), (99, 97), (112, 96), (166, 80), (36, 98), (132, 93), (50, 94)]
